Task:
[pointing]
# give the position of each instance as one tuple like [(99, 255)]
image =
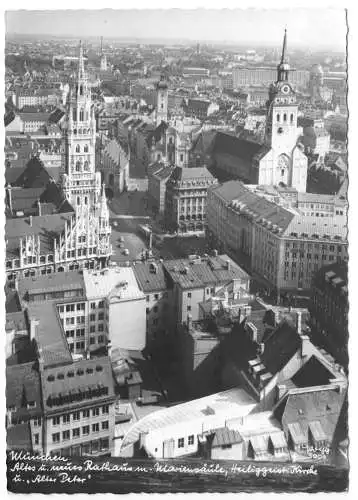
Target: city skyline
[(226, 25)]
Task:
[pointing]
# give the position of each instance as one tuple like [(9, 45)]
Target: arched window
[(74, 114), (278, 117), (86, 148), (81, 89), (78, 166), (78, 200), (85, 165), (81, 115), (78, 148), (291, 117), (86, 200), (282, 172), (284, 117)]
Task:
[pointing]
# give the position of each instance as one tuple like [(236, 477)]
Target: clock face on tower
[(285, 89)]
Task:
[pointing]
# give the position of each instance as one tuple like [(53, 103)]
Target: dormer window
[(31, 404)]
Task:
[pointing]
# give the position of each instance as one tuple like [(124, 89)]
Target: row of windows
[(77, 415), (100, 340), (157, 296), (181, 441), (100, 316), (278, 117), (79, 333), (85, 148), (315, 256), (76, 433), (100, 328), (79, 320)]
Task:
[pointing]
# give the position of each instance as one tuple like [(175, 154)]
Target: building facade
[(281, 246), (185, 202), (329, 308)]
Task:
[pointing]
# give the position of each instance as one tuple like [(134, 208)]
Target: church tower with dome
[(285, 163)]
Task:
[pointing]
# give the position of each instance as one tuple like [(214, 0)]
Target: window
[(92, 317), (85, 149), (291, 117), (66, 435), (100, 339), (104, 444), (92, 340), (80, 345), (155, 309), (101, 304), (100, 316), (95, 412), (105, 425), (181, 443), (277, 117), (93, 305), (105, 409), (85, 430), (56, 421), (86, 413), (78, 148), (37, 422), (56, 437), (36, 438), (77, 415), (188, 308), (66, 419), (156, 296), (189, 295), (95, 427), (76, 432), (284, 117), (191, 439)]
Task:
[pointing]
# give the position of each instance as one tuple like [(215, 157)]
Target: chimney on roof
[(109, 348), (39, 206), (30, 220), (215, 253), (299, 322), (227, 265), (33, 324), (9, 197), (277, 316), (189, 322), (40, 359)]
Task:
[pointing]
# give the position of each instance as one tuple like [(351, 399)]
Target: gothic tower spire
[(283, 68)]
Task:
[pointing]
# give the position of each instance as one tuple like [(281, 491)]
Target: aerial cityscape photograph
[(176, 250)]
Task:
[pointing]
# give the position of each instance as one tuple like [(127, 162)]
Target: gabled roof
[(262, 208), (35, 175), (23, 388), (225, 436), (83, 377), (280, 347), (18, 437), (240, 148), (150, 276), (184, 173)]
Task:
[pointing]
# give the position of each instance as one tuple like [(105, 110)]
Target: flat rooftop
[(234, 402)]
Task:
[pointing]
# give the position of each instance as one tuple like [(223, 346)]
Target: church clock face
[(285, 89)]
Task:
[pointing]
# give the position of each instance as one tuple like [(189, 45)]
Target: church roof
[(241, 148)]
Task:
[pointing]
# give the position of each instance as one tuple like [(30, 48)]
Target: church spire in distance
[(283, 68)]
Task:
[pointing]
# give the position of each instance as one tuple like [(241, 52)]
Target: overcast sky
[(308, 27)]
